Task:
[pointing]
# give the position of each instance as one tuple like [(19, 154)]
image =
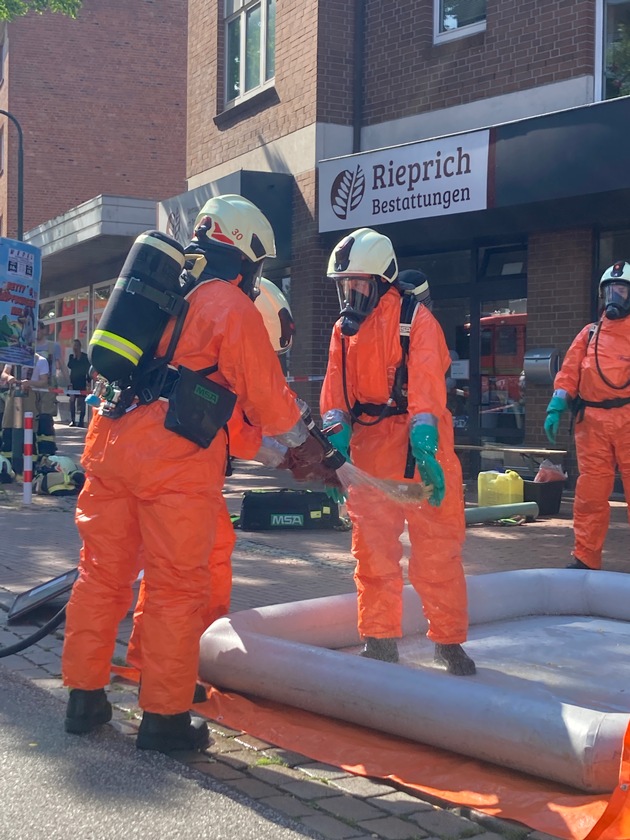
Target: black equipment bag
[(270, 510), (198, 407)]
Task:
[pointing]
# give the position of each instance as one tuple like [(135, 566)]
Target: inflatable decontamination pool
[(551, 696)]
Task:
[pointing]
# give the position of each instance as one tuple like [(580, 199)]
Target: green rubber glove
[(341, 440), (335, 495), (424, 444), (556, 408)]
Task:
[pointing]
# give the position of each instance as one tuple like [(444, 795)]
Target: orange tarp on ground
[(497, 791)]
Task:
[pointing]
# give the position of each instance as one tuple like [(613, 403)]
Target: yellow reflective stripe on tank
[(154, 242), (117, 344)]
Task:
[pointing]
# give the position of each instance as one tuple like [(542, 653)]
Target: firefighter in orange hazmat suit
[(148, 486), (245, 444), (594, 381), (245, 441), (377, 429)]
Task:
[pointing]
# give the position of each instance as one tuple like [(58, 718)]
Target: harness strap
[(616, 402), (579, 404), (375, 410)]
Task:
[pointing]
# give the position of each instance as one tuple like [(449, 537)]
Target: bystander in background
[(79, 367)]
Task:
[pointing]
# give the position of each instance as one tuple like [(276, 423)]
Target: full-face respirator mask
[(358, 296)]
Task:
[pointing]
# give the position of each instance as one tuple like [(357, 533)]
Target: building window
[(457, 18), (4, 46), (617, 49), (250, 39)]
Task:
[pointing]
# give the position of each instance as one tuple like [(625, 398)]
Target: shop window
[(453, 315), (501, 262), (450, 267), (503, 338), (250, 47), (68, 305), (458, 18), (616, 48), (613, 246), (83, 299), (100, 296), (47, 309)]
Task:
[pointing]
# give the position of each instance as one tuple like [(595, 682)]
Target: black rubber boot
[(168, 733), (384, 649), (577, 564), (87, 710), (200, 695), (455, 659)]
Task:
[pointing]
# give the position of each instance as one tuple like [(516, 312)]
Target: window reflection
[(453, 316), (502, 333), (617, 49)]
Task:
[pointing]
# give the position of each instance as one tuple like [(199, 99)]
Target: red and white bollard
[(27, 496)]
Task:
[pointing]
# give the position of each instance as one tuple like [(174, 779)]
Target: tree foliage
[(10, 9)]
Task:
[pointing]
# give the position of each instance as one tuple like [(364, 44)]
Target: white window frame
[(241, 10), (601, 46), (453, 34), (598, 69), (4, 47)]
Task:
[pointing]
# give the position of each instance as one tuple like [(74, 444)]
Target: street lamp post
[(20, 175), (17, 437)]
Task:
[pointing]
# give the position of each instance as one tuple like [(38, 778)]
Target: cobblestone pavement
[(40, 541)]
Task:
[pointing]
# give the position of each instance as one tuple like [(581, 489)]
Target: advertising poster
[(20, 276)]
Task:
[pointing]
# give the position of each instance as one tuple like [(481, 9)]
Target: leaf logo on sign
[(347, 192)]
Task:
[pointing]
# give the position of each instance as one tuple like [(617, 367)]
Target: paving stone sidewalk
[(40, 541)]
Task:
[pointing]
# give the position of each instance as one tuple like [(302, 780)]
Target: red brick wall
[(102, 102), (251, 126), (313, 298), (559, 300), (527, 43), (336, 62)]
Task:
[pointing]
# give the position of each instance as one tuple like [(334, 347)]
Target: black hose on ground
[(35, 637)]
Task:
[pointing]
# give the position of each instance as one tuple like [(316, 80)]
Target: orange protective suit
[(149, 487), (602, 437), (245, 441), (436, 533)]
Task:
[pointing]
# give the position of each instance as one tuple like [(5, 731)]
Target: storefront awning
[(89, 243)]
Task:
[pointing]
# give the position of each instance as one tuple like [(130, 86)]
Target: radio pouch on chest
[(198, 407)]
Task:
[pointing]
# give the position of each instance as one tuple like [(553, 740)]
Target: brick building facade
[(280, 94), (101, 101), (352, 77)]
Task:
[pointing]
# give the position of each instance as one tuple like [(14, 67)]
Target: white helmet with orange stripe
[(234, 237)]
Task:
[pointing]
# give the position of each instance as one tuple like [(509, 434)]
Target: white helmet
[(234, 221), (231, 240), (276, 313), (363, 265), (614, 288), (364, 251)]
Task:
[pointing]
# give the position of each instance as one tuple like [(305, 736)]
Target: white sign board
[(460, 369), (20, 275), (416, 181)]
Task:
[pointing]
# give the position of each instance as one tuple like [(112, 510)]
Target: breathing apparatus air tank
[(147, 293)]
